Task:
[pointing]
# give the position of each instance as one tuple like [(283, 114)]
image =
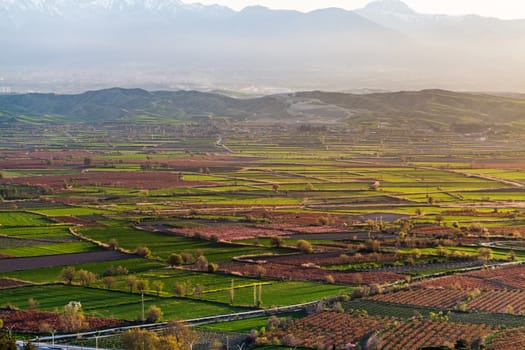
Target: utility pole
[(142, 299)]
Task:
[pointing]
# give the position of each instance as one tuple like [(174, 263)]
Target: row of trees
[(177, 336), (304, 246)]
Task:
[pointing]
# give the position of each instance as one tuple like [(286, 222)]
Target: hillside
[(435, 108)]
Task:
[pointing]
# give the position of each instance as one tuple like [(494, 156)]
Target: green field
[(163, 244), (103, 303), (387, 204)]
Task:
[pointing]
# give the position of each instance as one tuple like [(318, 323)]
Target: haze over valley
[(67, 46)]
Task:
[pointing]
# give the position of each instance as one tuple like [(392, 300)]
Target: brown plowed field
[(150, 180), (9, 283), (75, 220), (17, 264), (30, 321), (300, 273)]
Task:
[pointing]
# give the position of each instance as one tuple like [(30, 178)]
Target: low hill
[(434, 108)]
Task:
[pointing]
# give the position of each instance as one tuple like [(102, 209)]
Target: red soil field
[(229, 232), (300, 273), (30, 321), (75, 220), (500, 301), (331, 328), (433, 230), (460, 282), (9, 283), (207, 161), (58, 159), (414, 334), (325, 258), (438, 298), (150, 180), (43, 159), (17, 264), (509, 277), (509, 339)]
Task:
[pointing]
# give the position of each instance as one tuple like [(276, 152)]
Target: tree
[(275, 188), (329, 279), (260, 271), (131, 282), (212, 267), (188, 258), (158, 286), (231, 292), (373, 245), (68, 274), (202, 263), (29, 346), (108, 282), (72, 319), (304, 246), (462, 344), (7, 342), (143, 252), (276, 241), (86, 277), (138, 339), (175, 259), (142, 285), (179, 289), (113, 244), (154, 314), (199, 289), (184, 336), (122, 270), (31, 304), (87, 161), (485, 254), (168, 342)]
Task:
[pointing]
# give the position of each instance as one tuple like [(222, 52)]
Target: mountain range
[(431, 109), (74, 45)]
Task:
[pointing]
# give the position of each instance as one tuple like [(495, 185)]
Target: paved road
[(45, 346)]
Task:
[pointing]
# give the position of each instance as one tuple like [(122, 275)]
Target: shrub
[(202, 263), (188, 258), (212, 267), (68, 274), (276, 241), (179, 289), (304, 246), (154, 314), (175, 259), (329, 279), (143, 252), (113, 244)]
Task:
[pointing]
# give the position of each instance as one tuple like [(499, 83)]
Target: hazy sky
[(492, 8)]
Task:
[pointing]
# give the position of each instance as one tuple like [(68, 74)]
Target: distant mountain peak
[(394, 6)]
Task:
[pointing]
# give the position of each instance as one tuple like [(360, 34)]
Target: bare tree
[(68, 274)]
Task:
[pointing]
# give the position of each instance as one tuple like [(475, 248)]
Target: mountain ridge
[(56, 44), (433, 108)]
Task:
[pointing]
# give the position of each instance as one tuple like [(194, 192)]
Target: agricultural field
[(369, 236)]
